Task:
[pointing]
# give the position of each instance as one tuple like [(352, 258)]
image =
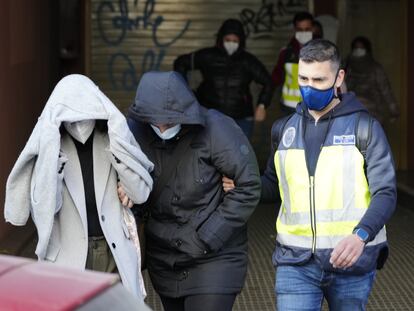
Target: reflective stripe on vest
[(341, 197), (290, 92), (328, 241)]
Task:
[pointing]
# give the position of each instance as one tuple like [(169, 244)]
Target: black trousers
[(199, 303)]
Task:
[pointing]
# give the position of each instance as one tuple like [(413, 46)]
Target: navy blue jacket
[(380, 170), (196, 233)]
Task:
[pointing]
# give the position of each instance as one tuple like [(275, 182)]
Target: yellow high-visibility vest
[(318, 211), (290, 91)]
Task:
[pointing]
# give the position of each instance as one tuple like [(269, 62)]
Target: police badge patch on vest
[(289, 137), (344, 140)]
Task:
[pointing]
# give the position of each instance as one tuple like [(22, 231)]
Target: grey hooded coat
[(46, 181)]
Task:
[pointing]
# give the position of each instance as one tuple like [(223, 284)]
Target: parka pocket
[(197, 168), (188, 242), (190, 249), (203, 171)]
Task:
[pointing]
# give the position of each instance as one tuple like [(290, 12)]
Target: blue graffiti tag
[(129, 79), (123, 23), (152, 59), (267, 18)]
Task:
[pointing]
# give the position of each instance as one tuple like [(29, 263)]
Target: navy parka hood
[(165, 98)]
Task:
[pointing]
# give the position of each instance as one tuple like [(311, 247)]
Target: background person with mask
[(285, 73), (196, 249), (368, 80), (227, 70), (67, 176)]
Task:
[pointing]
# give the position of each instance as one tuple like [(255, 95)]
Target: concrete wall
[(25, 77)]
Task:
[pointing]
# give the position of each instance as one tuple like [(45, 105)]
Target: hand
[(228, 184), (125, 200), (260, 113), (347, 252)]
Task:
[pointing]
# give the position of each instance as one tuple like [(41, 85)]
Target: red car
[(26, 284)]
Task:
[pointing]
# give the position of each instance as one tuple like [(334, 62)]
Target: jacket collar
[(73, 177), (102, 166)]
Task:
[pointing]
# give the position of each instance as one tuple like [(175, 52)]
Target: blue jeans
[(304, 288)]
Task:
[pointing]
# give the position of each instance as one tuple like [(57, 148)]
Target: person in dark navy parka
[(196, 234)]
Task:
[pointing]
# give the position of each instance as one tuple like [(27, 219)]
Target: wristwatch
[(361, 234)]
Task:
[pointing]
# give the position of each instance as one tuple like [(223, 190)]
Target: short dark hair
[(320, 50), (301, 16)]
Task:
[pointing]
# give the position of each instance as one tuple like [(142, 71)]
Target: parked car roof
[(26, 284)]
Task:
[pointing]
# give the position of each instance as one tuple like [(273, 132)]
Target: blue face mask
[(316, 99)]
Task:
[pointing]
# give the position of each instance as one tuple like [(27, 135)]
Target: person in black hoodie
[(196, 234), (227, 70)]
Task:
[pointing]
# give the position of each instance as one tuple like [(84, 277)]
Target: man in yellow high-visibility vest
[(335, 199), (285, 72), (337, 186)]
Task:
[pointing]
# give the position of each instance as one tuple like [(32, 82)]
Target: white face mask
[(168, 133), (231, 47), (80, 130), (303, 37), (359, 52)]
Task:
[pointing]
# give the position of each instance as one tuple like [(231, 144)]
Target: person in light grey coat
[(53, 182)]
